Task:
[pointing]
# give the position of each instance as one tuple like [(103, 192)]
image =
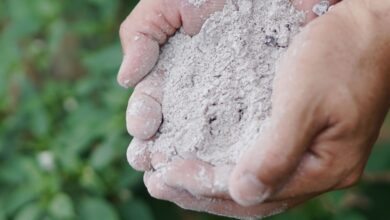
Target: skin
[(330, 98)]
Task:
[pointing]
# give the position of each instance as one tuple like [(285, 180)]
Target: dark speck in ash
[(212, 119)]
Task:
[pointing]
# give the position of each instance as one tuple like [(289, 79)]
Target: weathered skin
[(326, 114)]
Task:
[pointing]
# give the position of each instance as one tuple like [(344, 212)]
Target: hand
[(306, 156), (331, 95), (150, 24)]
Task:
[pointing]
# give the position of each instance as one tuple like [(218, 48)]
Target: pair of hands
[(330, 98)]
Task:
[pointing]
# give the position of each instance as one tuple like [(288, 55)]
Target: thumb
[(264, 168)]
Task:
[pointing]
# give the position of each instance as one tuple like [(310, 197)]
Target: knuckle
[(150, 86), (156, 190), (122, 29), (139, 162), (319, 167), (138, 157), (328, 160)]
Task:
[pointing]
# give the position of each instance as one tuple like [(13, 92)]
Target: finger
[(271, 160), (307, 6), (315, 175), (203, 180), (195, 16), (149, 25), (144, 115), (138, 155), (159, 190), (198, 178)]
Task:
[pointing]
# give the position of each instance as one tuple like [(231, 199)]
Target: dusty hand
[(330, 98), (329, 130), (150, 24), (332, 93)]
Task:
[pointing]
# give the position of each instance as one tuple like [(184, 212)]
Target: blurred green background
[(63, 137)]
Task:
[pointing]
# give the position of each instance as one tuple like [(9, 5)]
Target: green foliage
[(62, 132), (94, 208)]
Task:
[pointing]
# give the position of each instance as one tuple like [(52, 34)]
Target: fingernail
[(250, 191)]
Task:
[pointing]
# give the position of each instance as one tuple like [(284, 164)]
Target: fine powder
[(197, 3), (218, 84)]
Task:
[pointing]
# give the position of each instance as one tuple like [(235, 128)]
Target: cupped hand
[(331, 95), (148, 27)]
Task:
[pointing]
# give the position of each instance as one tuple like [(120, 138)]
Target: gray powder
[(197, 3), (218, 84)]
